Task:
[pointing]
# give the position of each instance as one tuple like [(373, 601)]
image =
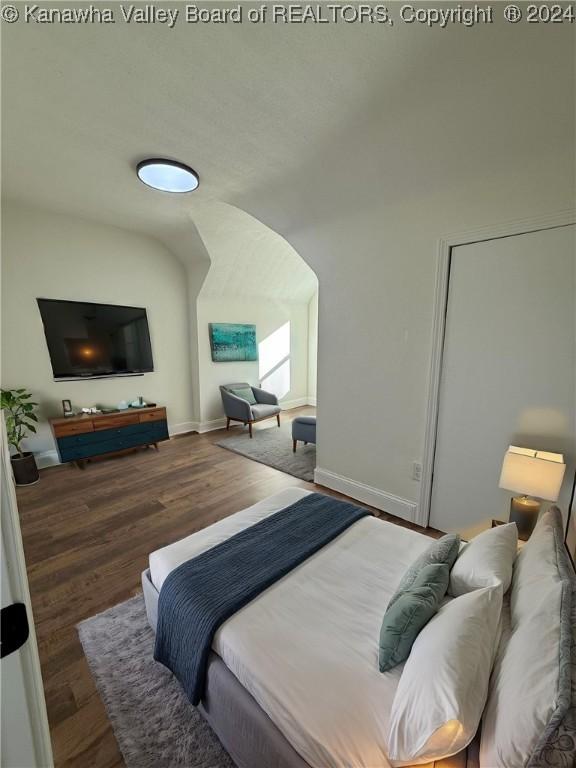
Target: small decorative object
[(231, 342), (533, 474), (67, 408), (122, 405), (18, 407), (91, 410), (138, 403)]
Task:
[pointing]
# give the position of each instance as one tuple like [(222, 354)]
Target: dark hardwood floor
[(87, 536)]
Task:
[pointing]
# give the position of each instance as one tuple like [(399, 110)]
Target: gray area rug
[(273, 446), (153, 721)]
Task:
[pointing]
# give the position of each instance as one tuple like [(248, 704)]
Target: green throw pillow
[(246, 394), (410, 613), (444, 550)]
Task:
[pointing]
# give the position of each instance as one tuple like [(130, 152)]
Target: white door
[(25, 735), (508, 369)]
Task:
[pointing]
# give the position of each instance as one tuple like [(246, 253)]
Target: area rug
[(154, 723), (273, 446)]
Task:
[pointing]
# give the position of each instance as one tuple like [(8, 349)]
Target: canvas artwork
[(231, 342)]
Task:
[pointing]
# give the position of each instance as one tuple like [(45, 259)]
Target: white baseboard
[(210, 426), (299, 402), (186, 427), (220, 423), (312, 401), (388, 502), (182, 428), (47, 459)]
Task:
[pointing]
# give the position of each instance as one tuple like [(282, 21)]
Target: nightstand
[(469, 533)]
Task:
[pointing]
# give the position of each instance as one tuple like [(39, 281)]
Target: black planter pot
[(25, 469)]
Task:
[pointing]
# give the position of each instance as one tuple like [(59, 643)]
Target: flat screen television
[(87, 340)]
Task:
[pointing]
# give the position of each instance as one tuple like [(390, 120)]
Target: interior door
[(25, 735), (508, 369)]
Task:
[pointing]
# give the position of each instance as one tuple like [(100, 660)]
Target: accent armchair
[(240, 408)]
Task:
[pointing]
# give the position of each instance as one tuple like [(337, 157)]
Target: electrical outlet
[(416, 471)]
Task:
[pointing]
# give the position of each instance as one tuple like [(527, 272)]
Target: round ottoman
[(303, 429)]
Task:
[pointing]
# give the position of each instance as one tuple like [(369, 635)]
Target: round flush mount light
[(167, 175)]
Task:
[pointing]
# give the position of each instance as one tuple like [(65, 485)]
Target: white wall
[(361, 167), (375, 355), (467, 140), (255, 276), (268, 317), (508, 374), (54, 256), (312, 348)]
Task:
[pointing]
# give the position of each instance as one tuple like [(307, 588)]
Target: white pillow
[(442, 691), (486, 561), (531, 677)]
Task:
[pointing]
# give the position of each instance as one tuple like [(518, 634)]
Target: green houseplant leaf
[(20, 416)]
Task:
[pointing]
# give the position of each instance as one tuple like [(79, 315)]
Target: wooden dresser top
[(96, 416)]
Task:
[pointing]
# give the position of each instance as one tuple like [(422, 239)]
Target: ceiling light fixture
[(167, 175)]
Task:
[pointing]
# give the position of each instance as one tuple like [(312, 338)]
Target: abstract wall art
[(231, 342)]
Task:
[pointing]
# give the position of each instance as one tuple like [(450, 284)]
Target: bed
[(293, 680)]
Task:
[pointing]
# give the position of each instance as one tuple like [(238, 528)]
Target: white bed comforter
[(307, 648)]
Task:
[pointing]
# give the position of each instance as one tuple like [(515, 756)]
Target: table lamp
[(533, 474)]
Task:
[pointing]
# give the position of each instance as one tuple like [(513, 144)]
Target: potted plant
[(20, 419)]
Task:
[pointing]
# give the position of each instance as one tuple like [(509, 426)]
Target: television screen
[(90, 340)]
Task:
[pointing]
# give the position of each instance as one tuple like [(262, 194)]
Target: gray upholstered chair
[(239, 409), (303, 429)]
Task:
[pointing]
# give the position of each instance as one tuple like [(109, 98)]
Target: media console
[(84, 437)]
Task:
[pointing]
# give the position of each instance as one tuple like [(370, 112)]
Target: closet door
[(508, 369)]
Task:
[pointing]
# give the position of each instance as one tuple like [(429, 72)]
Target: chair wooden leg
[(250, 429), (278, 418), (294, 446), (227, 423)]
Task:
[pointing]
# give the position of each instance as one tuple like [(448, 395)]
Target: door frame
[(18, 576), (444, 248)]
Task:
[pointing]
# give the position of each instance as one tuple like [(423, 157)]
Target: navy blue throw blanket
[(199, 595)]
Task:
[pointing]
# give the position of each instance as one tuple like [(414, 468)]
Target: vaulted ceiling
[(293, 123), (245, 105), (248, 259)]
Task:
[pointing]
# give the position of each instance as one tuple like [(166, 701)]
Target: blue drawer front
[(73, 447), (159, 429), (101, 435)]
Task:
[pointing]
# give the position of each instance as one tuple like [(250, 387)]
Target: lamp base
[(524, 512)]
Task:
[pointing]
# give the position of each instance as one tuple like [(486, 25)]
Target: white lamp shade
[(533, 473)]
